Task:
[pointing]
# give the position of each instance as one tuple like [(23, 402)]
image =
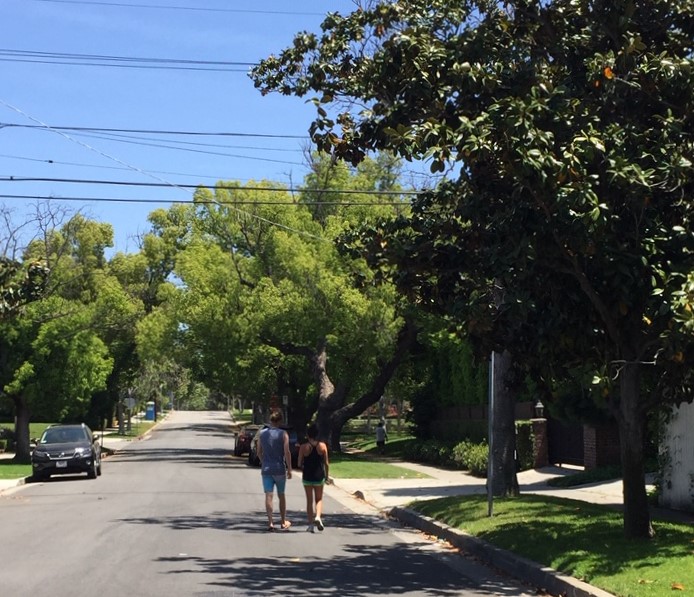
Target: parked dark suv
[(244, 438), (66, 450), (253, 459)]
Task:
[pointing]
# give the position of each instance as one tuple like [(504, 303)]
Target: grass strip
[(605, 473), (11, 470), (583, 540), (352, 466)]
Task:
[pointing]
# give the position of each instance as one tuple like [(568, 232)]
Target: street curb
[(543, 577)]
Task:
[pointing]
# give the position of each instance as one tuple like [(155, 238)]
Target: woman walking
[(313, 459)]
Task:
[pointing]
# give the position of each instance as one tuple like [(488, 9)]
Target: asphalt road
[(175, 514)]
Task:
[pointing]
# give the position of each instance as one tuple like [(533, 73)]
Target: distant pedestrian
[(313, 458), (276, 468), (381, 437)]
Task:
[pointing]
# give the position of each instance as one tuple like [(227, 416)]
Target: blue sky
[(40, 94)]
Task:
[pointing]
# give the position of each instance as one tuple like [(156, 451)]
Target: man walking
[(276, 467), (381, 437)]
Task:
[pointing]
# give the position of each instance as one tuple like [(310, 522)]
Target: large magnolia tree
[(564, 230)]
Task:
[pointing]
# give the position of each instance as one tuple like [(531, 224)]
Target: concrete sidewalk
[(384, 494)]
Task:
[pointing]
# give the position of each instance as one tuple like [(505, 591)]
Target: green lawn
[(352, 466), (137, 428), (394, 446), (580, 539), (35, 429), (9, 470), (583, 540)]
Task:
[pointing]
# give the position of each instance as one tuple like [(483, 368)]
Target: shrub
[(429, 452), (477, 458), (460, 452), (472, 457), (525, 442)]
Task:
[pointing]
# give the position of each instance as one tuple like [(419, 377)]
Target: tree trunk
[(331, 412), (22, 453), (631, 421), (406, 338), (336, 437), (329, 400), (503, 441)]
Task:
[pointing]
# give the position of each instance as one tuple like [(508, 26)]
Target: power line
[(93, 129), (35, 57), (189, 149), (149, 174), (134, 138), (113, 136), (50, 162), (197, 186), (110, 58), (191, 8), (102, 167), (200, 202), (135, 66)]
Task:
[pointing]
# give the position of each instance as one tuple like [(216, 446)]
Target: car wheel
[(92, 473)]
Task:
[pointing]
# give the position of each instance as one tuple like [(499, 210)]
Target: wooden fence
[(678, 457)]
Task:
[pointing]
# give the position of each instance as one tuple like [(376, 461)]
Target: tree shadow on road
[(358, 570)]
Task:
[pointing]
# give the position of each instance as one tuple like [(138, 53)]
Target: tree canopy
[(265, 304), (563, 231)]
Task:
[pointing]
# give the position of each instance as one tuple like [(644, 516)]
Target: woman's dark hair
[(312, 431)]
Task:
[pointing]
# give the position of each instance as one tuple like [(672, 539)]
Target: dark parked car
[(66, 450), (244, 439), (253, 459)]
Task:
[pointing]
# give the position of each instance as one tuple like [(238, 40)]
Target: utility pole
[(490, 467)]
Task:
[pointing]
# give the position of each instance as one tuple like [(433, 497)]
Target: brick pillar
[(540, 449), (600, 445), (590, 447)]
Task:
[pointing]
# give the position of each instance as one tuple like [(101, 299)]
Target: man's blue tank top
[(272, 440)]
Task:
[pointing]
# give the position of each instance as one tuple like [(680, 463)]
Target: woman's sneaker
[(310, 529), (319, 524)]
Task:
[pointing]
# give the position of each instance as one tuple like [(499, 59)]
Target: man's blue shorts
[(272, 481)]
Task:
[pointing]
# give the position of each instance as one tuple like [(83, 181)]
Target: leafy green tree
[(565, 130), (145, 280), (55, 359), (265, 298), (117, 309), (20, 284), (67, 361)]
